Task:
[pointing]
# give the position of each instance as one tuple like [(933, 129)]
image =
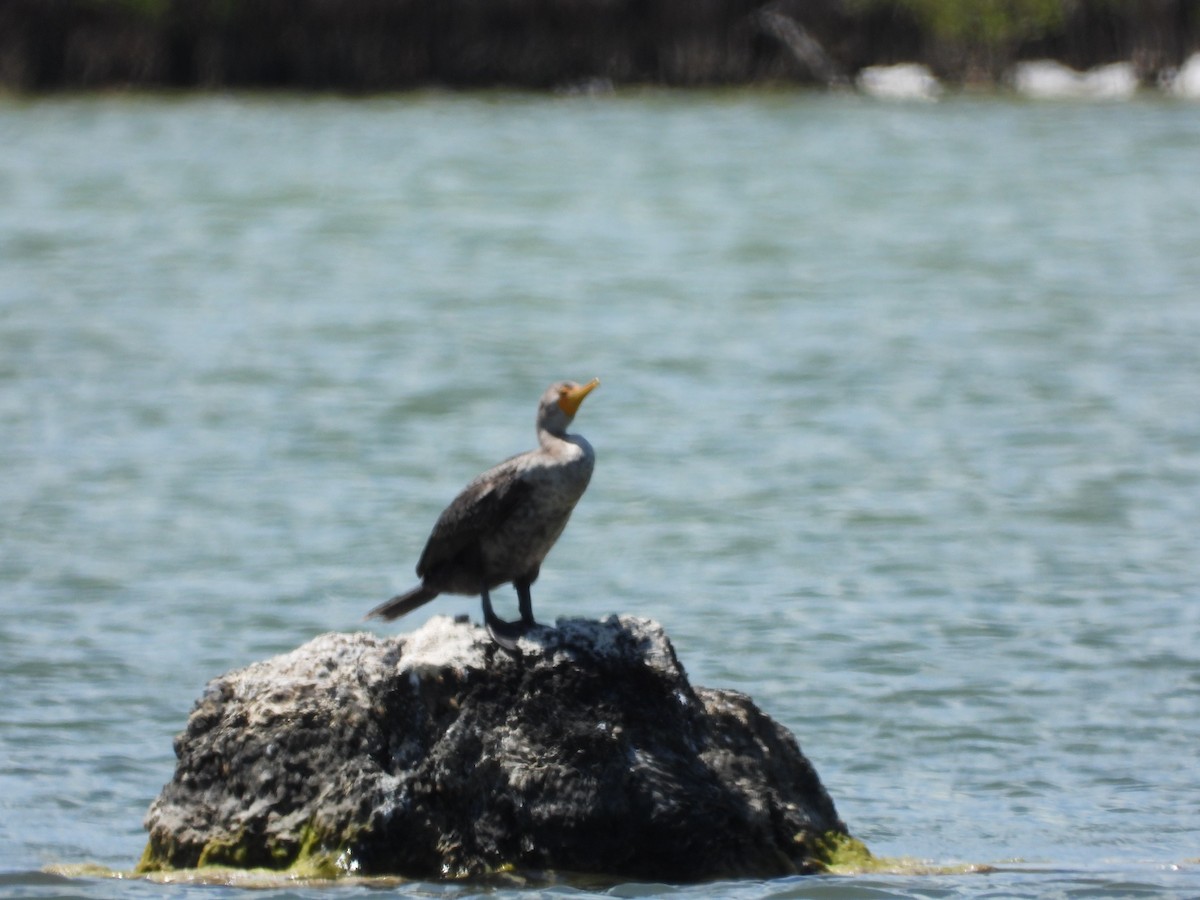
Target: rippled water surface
[(899, 432)]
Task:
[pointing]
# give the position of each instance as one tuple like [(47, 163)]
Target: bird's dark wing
[(481, 508)]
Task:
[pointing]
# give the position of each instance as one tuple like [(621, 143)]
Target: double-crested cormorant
[(502, 525)]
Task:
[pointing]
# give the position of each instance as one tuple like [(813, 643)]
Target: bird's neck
[(565, 448), (549, 440)]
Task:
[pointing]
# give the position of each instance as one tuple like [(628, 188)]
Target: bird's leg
[(524, 602), (506, 634)]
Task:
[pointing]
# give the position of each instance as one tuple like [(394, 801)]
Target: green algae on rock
[(841, 854)]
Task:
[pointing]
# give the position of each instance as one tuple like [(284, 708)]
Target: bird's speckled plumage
[(502, 525)]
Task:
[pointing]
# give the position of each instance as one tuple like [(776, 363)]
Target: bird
[(503, 523)]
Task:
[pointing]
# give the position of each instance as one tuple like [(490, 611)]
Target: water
[(898, 433)]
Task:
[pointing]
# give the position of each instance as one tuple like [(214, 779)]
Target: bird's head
[(561, 402)]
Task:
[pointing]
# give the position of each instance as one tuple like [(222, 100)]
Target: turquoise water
[(899, 432)]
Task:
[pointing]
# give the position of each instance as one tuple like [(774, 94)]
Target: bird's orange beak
[(569, 401)]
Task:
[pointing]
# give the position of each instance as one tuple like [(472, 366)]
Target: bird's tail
[(402, 604)]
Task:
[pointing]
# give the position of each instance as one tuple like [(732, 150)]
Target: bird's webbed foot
[(506, 634)]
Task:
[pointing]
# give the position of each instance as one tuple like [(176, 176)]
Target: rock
[(1185, 83), (438, 755), (1048, 80), (905, 81)]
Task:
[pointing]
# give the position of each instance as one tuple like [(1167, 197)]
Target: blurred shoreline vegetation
[(983, 23), (978, 39), (151, 9), (387, 45)]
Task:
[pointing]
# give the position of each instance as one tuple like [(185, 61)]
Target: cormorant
[(502, 525)]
